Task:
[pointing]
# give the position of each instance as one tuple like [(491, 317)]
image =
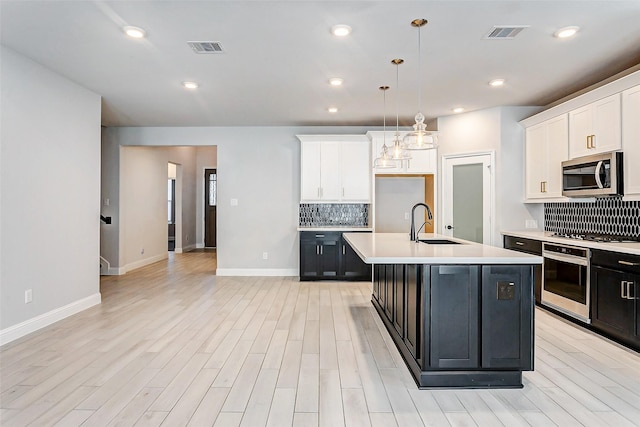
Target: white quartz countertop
[(336, 228), (396, 248), (545, 236)]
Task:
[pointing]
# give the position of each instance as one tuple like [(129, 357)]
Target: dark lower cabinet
[(507, 317), (413, 309), (533, 247), (459, 325), (319, 255), (327, 256), (454, 333), (615, 296)]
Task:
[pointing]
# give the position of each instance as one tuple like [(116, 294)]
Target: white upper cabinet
[(595, 128), (355, 170), (335, 168), (631, 141), (422, 161), (546, 146)]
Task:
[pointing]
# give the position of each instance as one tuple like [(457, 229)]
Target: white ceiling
[(279, 56)]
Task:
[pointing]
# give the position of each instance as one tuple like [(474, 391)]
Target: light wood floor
[(172, 344)]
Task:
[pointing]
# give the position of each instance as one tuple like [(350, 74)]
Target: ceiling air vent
[(206, 47), (505, 32)]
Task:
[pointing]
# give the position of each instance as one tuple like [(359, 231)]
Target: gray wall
[(50, 180), (260, 168), (494, 129), (395, 196)]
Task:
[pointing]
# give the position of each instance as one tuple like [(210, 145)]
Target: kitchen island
[(460, 313)]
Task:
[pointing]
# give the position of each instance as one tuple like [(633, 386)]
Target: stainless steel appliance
[(566, 281), (597, 175)]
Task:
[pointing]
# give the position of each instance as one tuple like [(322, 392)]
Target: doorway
[(171, 206), (210, 205), (467, 197)]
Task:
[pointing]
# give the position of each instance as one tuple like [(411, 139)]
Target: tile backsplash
[(610, 215), (334, 214)]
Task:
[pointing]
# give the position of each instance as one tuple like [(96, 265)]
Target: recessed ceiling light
[(565, 32), (332, 109), (190, 85), (336, 81), (341, 30), (134, 32), (458, 110), (496, 82)]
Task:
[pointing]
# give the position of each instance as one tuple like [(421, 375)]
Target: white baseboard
[(199, 245), (256, 272), (185, 249), (113, 271), (14, 332), (143, 262)]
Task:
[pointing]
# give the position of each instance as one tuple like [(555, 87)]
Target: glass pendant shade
[(420, 138), (399, 150), (385, 160)]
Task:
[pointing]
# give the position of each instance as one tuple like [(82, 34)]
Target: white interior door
[(467, 197)]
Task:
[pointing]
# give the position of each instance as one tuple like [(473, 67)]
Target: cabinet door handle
[(319, 236), (588, 141), (519, 243), (321, 250), (629, 296), (632, 264), (623, 289), (317, 250), (593, 141), (542, 186), (343, 250)]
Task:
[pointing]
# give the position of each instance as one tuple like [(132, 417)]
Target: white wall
[(260, 167), (494, 129), (50, 180)]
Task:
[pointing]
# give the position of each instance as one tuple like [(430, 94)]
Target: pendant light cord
[(419, 70)]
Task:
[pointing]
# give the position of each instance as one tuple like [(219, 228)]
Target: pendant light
[(384, 161), (398, 151), (420, 138)]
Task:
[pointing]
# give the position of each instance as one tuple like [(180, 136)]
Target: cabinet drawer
[(616, 260), (306, 236), (523, 245)]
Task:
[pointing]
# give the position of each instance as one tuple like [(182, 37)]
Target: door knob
[(449, 227)]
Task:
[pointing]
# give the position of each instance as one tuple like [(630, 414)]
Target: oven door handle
[(564, 258)]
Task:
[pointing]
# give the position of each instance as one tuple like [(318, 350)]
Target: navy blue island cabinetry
[(459, 325), (460, 313)]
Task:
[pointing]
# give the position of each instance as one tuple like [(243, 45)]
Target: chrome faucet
[(413, 235)]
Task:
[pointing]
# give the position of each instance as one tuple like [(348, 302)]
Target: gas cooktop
[(601, 238)]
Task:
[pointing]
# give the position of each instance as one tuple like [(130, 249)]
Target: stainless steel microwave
[(593, 176)]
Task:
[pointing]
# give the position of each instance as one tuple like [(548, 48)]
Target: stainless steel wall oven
[(566, 281)]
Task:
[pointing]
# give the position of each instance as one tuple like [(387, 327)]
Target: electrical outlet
[(265, 255), (506, 290), (234, 202), (28, 296), (106, 202), (531, 223), (406, 215)]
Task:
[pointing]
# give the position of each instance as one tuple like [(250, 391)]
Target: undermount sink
[(438, 242)]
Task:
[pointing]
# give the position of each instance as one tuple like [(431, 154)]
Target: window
[(213, 188), (171, 193)]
